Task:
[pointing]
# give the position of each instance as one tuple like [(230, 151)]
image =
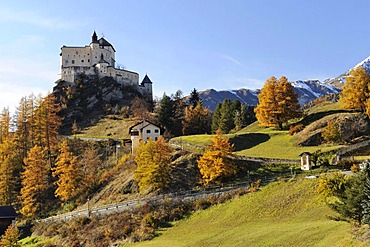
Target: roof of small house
[(142, 124), (305, 153), (7, 212)]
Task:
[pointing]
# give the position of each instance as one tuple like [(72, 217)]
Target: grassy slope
[(109, 128), (286, 214), (255, 141)]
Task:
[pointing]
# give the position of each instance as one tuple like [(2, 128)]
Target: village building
[(7, 217), (99, 59), (142, 131)]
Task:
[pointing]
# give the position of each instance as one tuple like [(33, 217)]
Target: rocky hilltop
[(88, 100)]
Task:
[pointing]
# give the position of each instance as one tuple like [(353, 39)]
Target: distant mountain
[(338, 81), (306, 90)]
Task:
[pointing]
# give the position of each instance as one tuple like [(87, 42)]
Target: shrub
[(295, 129)]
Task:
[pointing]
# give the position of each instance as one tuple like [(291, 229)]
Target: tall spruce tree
[(216, 117), (227, 116), (194, 98), (166, 113)]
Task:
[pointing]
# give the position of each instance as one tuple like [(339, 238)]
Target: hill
[(281, 214)]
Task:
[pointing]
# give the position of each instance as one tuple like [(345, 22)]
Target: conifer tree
[(356, 90), (35, 182), (277, 103), (194, 98), (216, 118), (215, 164), (153, 164), (166, 113), (197, 120), (227, 116), (68, 173), (9, 176), (366, 200), (10, 237)]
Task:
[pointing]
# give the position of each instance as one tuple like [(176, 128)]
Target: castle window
[(82, 61), (73, 61), (66, 61), (88, 60)]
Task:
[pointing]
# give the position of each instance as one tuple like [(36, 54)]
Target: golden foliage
[(277, 103), (153, 164), (35, 182), (196, 120), (68, 173), (331, 132), (356, 90), (215, 164), (10, 237)]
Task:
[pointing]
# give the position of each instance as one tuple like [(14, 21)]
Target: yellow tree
[(68, 173), (277, 103), (197, 120), (153, 164), (8, 172), (356, 90), (35, 182), (10, 237), (215, 164)]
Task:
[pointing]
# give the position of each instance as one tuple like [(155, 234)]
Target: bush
[(295, 129)]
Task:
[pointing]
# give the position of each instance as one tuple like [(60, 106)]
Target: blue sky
[(184, 44)]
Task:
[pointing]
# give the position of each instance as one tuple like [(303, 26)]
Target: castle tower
[(94, 38), (146, 88)]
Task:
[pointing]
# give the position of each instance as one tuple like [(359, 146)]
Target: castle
[(98, 59)]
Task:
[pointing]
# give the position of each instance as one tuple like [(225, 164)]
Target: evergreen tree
[(179, 112), (166, 113), (216, 117), (35, 182), (68, 173), (194, 98), (227, 116), (366, 201), (215, 164)]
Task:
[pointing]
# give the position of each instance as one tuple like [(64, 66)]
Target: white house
[(142, 131), (98, 59)]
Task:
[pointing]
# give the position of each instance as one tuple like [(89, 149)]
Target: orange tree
[(356, 90), (278, 103), (35, 182), (153, 164), (215, 164)]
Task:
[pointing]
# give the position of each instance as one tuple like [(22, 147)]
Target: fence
[(132, 204)]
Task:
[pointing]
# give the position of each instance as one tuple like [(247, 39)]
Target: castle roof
[(104, 42), (146, 80)]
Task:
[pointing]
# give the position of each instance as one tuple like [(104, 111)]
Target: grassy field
[(281, 214), (254, 141), (115, 128)]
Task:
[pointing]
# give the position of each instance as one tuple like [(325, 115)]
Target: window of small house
[(156, 131), (148, 131)]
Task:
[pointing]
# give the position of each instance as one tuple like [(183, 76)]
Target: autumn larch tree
[(356, 90), (35, 182), (215, 164), (197, 120), (278, 103), (153, 164), (10, 237), (68, 173)]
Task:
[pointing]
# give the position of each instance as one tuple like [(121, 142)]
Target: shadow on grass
[(247, 141)]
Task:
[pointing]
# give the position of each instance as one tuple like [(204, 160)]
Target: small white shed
[(305, 161)]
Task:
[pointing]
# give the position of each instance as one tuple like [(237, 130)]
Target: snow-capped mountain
[(306, 90), (338, 81)]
